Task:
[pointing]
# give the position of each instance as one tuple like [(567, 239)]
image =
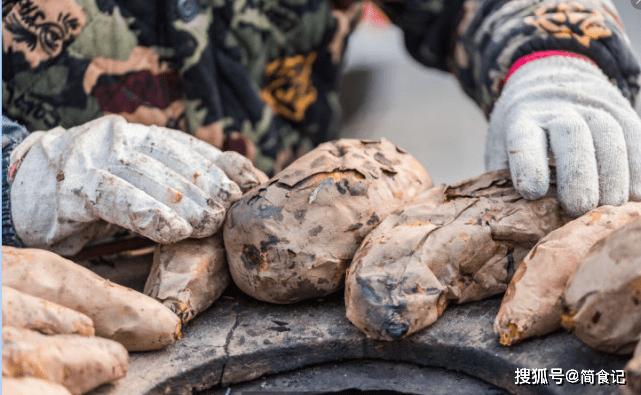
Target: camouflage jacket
[(261, 76)]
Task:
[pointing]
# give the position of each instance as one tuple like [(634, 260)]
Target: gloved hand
[(567, 107), (158, 182)]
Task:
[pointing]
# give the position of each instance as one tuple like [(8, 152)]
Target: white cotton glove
[(567, 109), (158, 182)]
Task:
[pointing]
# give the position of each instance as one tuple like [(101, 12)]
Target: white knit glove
[(158, 182), (567, 108)]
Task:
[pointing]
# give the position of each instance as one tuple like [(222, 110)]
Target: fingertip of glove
[(577, 207), (614, 198), (261, 177), (532, 194), (635, 192), (532, 189), (170, 230)]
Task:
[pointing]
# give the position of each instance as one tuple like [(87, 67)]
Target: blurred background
[(386, 93)]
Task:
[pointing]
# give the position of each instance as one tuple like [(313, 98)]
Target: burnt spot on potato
[(395, 326), (359, 188), (271, 241), (373, 219), (266, 211), (250, 257), (315, 230), (300, 215), (342, 186), (354, 227), (367, 291)]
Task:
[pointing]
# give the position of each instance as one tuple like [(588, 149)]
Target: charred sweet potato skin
[(451, 245), (292, 238), (603, 298)]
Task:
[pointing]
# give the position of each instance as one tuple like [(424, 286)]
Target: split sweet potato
[(633, 373), (31, 386), (532, 305), (603, 298), (21, 310), (453, 244), (137, 321), (188, 276), (79, 363), (293, 237)]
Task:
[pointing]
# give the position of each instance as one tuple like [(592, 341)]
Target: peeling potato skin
[(188, 276), (532, 305), (450, 245), (292, 238), (633, 373), (603, 298)]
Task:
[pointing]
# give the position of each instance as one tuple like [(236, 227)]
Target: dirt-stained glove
[(158, 182), (567, 108)]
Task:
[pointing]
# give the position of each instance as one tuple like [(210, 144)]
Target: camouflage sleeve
[(12, 135), (478, 40)]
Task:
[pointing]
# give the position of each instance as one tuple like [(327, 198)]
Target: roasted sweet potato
[(31, 386), (603, 298), (21, 310), (293, 237), (80, 363), (633, 373), (137, 321), (188, 276), (532, 305), (451, 245)]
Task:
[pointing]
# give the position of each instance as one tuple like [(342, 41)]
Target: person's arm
[(12, 135), (480, 40), (557, 80), (62, 188)]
